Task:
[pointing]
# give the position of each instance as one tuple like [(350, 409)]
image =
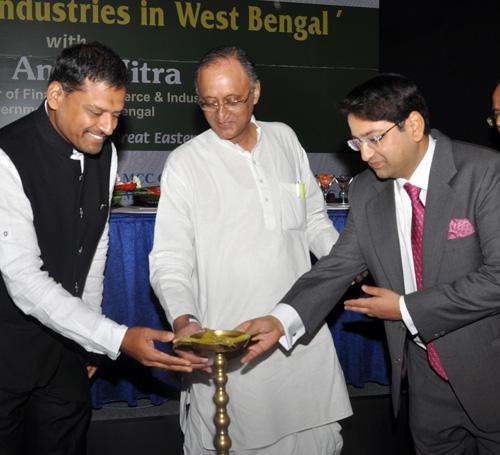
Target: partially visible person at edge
[(57, 168), (494, 118), (239, 212), (424, 220)]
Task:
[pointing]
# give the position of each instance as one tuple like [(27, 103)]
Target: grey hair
[(225, 53)]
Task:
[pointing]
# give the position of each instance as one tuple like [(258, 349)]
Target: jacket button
[(81, 212), (80, 250)]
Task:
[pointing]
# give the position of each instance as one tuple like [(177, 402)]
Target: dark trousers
[(438, 423), (52, 417)]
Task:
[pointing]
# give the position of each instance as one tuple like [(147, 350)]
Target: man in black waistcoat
[(57, 168)]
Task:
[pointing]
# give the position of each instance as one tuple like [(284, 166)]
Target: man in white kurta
[(236, 220)]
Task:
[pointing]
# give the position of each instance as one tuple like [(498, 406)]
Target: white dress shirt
[(233, 233), (288, 316), (33, 290), (419, 178)]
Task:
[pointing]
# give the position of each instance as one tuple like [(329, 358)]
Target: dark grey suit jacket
[(459, 306)]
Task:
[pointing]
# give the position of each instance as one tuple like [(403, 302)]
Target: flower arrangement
[(133, 193), (148, 196)]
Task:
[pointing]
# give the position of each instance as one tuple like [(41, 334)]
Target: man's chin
[(225, 134), (381, 173), (91, 150)]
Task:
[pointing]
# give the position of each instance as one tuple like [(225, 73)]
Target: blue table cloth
[(359, 340), (129, 300)]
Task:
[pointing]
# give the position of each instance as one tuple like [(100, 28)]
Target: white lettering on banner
[(139, 112), (172, 139), (24, 67), (148, 177), (158, 138), (29, 93), (16, 110), (137, 138), (137, 97), (63, 41), (152, 75), (181, 98), (143, 74)]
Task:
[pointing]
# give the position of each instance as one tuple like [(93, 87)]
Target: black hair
[(93, 61), (388, 96)]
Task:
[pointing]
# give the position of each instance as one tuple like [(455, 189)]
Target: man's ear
[(256, 92), (55, 95), (415, 126)]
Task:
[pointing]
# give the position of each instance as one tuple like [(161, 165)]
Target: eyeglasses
[(231, 103), (492, 119), (372, 142)]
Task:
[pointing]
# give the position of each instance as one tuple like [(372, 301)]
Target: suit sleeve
[(447, 307), (316, 292)]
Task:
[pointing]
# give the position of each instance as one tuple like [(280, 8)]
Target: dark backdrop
[(452, 50)]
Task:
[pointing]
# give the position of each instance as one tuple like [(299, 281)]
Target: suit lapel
[(381, 216), (439, 206)]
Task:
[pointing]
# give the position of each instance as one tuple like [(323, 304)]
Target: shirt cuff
[(110, 336), (408, 321), (291, 322), (406, 316)]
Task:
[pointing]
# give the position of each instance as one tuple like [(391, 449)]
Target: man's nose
[(221, 111), (107, 124), (366, 152)]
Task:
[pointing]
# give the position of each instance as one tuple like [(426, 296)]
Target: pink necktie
[(417, 234)]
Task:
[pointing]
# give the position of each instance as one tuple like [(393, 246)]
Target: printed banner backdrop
[(308, 56)]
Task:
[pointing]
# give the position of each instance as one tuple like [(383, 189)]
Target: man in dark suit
[(424, 220)]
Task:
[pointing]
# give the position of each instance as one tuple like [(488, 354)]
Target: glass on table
[(343, 181), (325, 182)]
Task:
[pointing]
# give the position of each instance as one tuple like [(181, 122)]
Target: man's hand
[(384, 303), (265, 331), (91, 369), (184, 328), (138, 343)]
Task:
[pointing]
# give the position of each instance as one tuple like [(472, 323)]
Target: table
[(359, 340), (129, 299)]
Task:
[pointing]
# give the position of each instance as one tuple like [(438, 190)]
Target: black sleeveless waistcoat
[(70, 211)]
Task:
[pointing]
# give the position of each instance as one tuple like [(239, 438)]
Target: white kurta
[(233, 233)]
